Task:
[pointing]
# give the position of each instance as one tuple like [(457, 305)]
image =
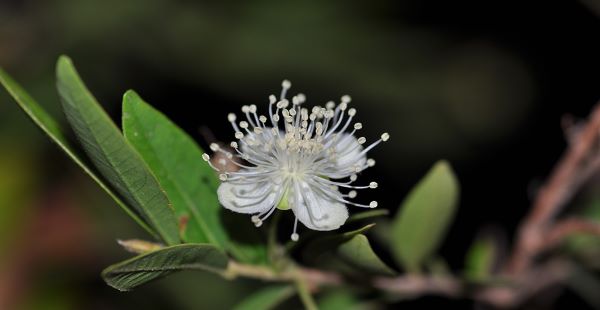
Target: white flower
[(297, 159)]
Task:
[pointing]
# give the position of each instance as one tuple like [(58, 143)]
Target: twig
[(525, 285), (568, 227), (579, 160), (418, 285)]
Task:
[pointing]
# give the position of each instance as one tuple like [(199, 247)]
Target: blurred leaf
[(339, 299), (424, 217), (587, 247), (141, 269), (176, 161), (43, 120), (358, 252), (367, 215), (438, 267), (480, 259), (116, 160), (586, 284), (266, 298)]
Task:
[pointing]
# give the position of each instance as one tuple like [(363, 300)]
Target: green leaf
[(326, 244), (176, 161), (367, 215), (424, 217), (47, 123), (116, 160), (479, 260), (266, 298), (144, 268), (340, 299), (358, 252)]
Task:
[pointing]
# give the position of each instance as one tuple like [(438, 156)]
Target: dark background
[(483, 84)]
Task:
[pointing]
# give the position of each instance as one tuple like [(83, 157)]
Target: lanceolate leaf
[(424, 217), (43, 120), (116, 160), (358, 252), (266, 298), (142, 269), (176, 161)]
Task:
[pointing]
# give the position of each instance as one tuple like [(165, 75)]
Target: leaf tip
[(130, 94), (63, 61)]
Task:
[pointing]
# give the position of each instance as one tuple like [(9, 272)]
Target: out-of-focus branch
[(418, 285), (525, 285), (512, 292), (578, 163), (564, 228)]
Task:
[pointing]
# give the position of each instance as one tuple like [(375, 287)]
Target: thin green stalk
[(307, 299)]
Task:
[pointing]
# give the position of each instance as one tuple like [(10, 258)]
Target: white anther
[(353, 177), (358, 126), (206, 157), (352, 194), (262, 119), (343, 106), (276, 118), (244, 124), (214, 147), (258, 223), (295, 237), (286, 84), (373, 204), (362, 140), (258, 130), (272, 99), (231, 117), (370, 162), (252, 108), (346, 98), (245, 108), (385, 137), (373, 185), (301, 98), (352, 112), (239, 135), (223, 177), (254, 218), (329, 105)]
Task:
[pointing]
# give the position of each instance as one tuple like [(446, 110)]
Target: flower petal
[(348, 152), (249, 197), (348, 157), (314, 209)]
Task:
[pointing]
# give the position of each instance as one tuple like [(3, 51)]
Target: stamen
[(385, 136)]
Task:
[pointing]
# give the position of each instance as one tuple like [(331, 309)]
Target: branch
[(417, 285), (568, 227), (578, 164)]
